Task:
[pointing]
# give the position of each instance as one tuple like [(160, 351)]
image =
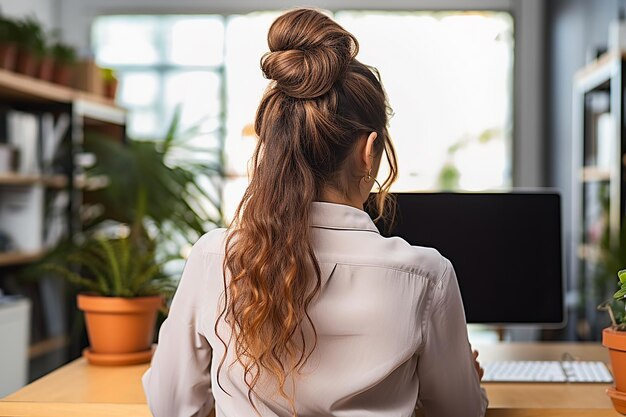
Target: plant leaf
[(620, 294)]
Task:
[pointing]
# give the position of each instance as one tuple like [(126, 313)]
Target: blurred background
[(133, 119)]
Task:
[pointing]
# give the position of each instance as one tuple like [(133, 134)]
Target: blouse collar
[(340, 216)]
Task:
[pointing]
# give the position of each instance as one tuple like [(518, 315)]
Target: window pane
[(138, 89), (196, 40), (143, 124), (448, 76), (198, 94), (126, 40)]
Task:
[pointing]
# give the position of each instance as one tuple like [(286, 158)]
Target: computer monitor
[(505, 248)]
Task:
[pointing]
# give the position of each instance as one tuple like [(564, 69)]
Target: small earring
[(369, 175)]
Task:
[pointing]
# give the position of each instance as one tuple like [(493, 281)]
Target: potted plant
[(46, 63), (8, 45), (143, 175), (64, 63), (614, 338), (110, 82), (153, 188), (30, 41), (123, 286)]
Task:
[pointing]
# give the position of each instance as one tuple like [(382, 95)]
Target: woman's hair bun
[(309, 52)]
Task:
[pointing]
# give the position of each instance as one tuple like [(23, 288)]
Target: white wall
[(44, 10)]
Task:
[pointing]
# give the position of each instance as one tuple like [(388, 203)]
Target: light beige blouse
[(391, 333)]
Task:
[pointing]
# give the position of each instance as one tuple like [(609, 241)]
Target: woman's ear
[(368, 151)]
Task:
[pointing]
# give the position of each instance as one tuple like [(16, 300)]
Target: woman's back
[(389, 323)]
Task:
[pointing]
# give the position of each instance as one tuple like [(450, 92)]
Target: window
[(449, 78), (163, 62)]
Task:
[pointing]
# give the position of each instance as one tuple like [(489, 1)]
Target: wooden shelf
[(594, 174), (18, 257), (52, 181), (599, 71), (31, 89), (22, 88), (46, 346)]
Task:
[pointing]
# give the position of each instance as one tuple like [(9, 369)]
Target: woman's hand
[(480, 371)]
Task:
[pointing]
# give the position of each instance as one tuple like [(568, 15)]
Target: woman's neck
[(330, 195)]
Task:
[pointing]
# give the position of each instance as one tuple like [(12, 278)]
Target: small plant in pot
[(64, 63), (123, 287), (31, 44), (153, 190), (614, 338), (110, 82), (46, 63), (8, 43)]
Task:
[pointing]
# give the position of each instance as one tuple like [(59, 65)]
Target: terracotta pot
[(8, 56), (26, 63), (46, 68), (118, 325), (110, 89), (63, 74), (615, 341)]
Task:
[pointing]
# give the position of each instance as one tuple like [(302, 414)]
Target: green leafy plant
[(154, 192), (114, 267), (30, 35), (108, 74), (616, 306), (164, 189), (63, 53), (8, 30)]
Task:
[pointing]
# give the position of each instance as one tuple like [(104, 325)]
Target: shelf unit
[(19, 258), (51, 181), (86, 112), (51, 344), (18, 88), (599, 182)]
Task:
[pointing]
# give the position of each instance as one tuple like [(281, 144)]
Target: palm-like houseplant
[(155, 195), (171, 186), (124, 286)]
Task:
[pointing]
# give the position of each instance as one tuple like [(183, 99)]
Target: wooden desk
[(78, 389)]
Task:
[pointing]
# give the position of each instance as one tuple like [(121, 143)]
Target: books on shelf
[(30, 222), (21, 216), (55, 227), (22, 131), (52, 136)]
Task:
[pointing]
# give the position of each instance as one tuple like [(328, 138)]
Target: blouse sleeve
[(449, 383), (179, 382)]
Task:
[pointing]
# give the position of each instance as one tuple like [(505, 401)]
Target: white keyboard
[(546, 371)]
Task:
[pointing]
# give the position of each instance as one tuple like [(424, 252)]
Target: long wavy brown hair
[(320, 103)]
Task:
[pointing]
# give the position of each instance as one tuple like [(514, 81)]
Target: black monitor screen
[(505, 248)]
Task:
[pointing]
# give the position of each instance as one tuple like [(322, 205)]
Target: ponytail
[(320, 101)]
